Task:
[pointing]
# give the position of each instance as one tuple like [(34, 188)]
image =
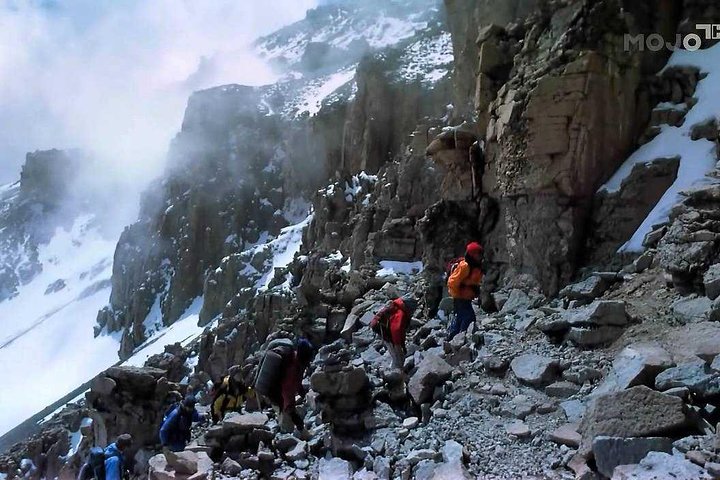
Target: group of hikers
[(280, 373)]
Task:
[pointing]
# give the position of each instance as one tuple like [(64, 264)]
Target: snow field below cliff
[(47, 346), (183, 331), (697, 157)]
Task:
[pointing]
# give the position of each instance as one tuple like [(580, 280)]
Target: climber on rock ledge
[(464, 286)]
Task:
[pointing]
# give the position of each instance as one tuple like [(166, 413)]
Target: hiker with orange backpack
[(391, 323), (464, 286)]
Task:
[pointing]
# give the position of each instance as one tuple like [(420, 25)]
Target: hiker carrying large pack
[(229, 394), (464, 286), (279, 377), (106, 464), (391, 323), (177, 424)]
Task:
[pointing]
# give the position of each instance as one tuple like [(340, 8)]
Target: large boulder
[(609, 452), (431, 372), (636, 412), (699, 340), (636, 364), (535, 370), (696, 376), (334, 469), (711, 281), (138, 381), (660, 465), (691, 310), (588, 289), (236, 423), (452, 467)]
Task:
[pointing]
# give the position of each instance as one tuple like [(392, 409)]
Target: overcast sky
[(111, 76)]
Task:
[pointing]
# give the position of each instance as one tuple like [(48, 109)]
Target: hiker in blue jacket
[(115, 457), (175, 430), (106, 464)]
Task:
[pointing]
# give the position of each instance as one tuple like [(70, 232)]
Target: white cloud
[(113, 77)]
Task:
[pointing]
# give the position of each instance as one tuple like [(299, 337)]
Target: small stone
[(410, 422), (231, 467), (518, 429), (567, 435), (498, 389), (545, 408), (697, 457), (562, 389), (535, 370)]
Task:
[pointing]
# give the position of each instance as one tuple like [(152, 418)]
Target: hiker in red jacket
[(391, 323)]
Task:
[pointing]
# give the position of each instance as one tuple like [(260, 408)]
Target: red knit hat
[(474, 249)]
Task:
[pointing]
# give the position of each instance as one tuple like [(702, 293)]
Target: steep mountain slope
[(300, 208)]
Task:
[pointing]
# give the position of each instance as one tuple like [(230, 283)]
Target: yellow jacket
[(228, 398), (464, 281)]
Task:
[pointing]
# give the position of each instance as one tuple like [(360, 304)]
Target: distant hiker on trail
[(108, 464), (280, 376), (176, 426), (463, 285), (229, 394), (391, 323)]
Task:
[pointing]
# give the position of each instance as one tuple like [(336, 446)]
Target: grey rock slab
[(711, 281), (692, 310), (518, 429), (567, 434), (574, 410), (236, 423), (636, 364), (609, 452), (695, 376), (598, 313), (535, 370), (562, 389), (431, 372), (692, 341), (588, 289), (636, 412), (660, 465), (592, 337), (334, 469)]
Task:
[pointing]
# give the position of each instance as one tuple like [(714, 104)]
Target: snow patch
[(389, 267), (184, 331)]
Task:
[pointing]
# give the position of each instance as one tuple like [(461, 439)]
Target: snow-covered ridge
[(697, 157)]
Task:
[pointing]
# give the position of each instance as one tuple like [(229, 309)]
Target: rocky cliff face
[(559, 104), (46, 198)]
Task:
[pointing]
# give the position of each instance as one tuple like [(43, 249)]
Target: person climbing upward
[(229, 394), (464, 286), (177, 424), (108, 464), (391, 323), (280, 377)]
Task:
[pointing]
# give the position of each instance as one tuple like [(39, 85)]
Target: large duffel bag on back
[(270, 370)]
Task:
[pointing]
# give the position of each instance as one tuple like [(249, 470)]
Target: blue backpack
[(95, 464)]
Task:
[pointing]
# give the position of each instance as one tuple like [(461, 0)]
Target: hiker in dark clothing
[(391, 323), (464, 286), (176, 426), (108, 464), (284, 382)]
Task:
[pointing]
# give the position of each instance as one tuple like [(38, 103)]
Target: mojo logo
[(655, 42)]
